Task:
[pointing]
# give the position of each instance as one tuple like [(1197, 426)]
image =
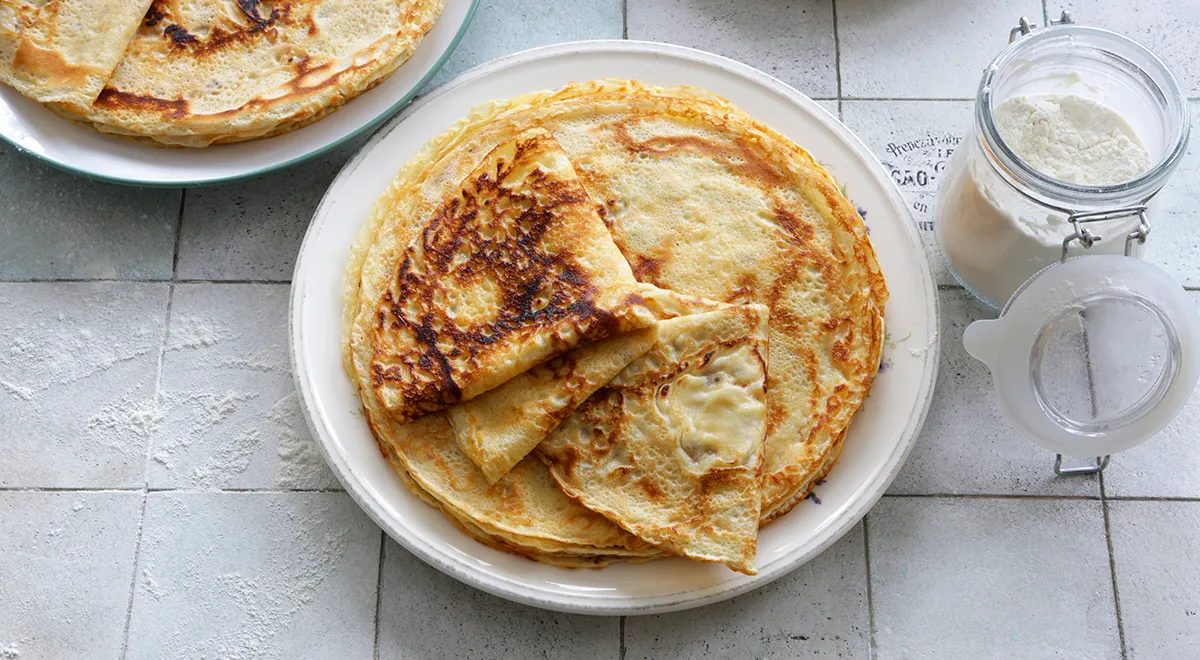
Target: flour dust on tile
[(254, 575)]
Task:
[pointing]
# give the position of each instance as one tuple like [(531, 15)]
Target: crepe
[(65, 50), (512, 269), (500, 427), (199, 72), (704, 200), (671, 448)]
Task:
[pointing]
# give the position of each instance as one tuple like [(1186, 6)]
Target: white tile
[(262, 575), (65, 572), (914, 140), (426, 614), (792, 41), (1169, 28), (55, 225), (1174, 241), (251, 230), (991, 578), (1167, 465), (931, 49), (231, 417), (77, 371), (967, 445), (1158, 578), (501, 27), (768, 623)]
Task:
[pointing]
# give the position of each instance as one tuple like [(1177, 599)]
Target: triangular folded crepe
[(65, 50), (515, 267), (672, 448), (500, 427)]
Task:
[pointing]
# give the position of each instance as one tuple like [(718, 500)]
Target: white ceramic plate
[(38, 131), (879, 439)]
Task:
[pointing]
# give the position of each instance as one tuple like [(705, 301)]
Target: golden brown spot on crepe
[(740, 159), (537, 288), (48, 65), (652, 491), (111, 98)]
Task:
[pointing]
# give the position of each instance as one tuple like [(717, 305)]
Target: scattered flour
[(300, 462), (259, 601), (122, 424), (230, 461), (152, 586), (23, 393), (206, 410), (193, 332)]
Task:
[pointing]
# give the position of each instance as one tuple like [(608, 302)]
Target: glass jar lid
[(1092, 356)]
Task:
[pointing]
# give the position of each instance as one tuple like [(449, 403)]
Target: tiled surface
[(914, 140), (61, 226), (761, 34), (78, 363), (967, 446), (991, 578), (819, 611), (252, 231), (1170, 28), (179, 392), (931, 49), (1176, 224), (230, 417), (1158, 577), (254, 575), (65, 573), (501, 27), (425, 614)]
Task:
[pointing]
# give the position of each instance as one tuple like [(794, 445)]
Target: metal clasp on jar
[(1024, 27), (1087, 238)]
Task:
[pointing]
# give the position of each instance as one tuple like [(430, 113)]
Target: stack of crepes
[(613, 322), (197, 72)]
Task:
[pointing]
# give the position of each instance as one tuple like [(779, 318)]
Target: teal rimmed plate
[(39, 132)]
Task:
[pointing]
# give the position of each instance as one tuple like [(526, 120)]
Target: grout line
[(950, 99), (178, 235), (870, 591), (621, 651), (379, 589), (988, 496), (837, 56), (1112, 569), (137, 548), (137, 558), (40, 489), (269, 491), (184, 491), (101, 280), (625, 19), (1146, 498)]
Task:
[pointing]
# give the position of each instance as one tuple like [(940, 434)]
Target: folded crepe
[(672, 449), (500, 427), (64, 51), (515, 267)]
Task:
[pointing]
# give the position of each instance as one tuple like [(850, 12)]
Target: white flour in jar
[(991, 245)]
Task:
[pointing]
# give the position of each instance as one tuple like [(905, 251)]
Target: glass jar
[(998, 220)]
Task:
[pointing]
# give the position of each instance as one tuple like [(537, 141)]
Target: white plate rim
[(370, 124), (609, 605)]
